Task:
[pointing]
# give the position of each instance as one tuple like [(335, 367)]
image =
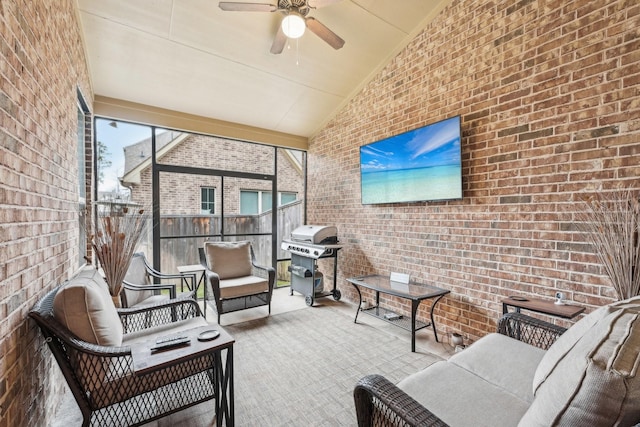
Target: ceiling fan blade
[(317, 4), (279, 41), (324, 33), (246, 7)]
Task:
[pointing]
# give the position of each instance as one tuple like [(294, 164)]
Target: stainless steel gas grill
[(309, 243)]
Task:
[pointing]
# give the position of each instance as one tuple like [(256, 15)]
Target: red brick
[(39, 75), (556, 85)]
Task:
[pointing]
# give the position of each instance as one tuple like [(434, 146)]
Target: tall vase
[(116, 300)]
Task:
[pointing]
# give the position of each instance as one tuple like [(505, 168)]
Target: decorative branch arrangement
[(115, 239), (611, 221)]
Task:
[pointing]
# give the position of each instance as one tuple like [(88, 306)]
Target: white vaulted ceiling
[(190, 56)]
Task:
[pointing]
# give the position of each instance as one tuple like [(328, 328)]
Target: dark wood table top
[(146, 361), (411, 290), (567, 311)]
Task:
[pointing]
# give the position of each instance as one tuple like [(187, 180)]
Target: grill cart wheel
[(337, 295), (308, 300)]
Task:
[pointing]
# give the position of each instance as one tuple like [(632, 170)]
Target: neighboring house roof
[(137, 156), (295, 157)]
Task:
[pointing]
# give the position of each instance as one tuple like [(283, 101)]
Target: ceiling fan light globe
[(293, 25)]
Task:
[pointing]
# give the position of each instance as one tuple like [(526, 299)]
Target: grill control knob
[(315, 253)]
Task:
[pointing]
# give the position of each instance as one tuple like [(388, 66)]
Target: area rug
[(300, 368), (297, 368)]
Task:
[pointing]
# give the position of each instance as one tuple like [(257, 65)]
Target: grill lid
[(316, 234)]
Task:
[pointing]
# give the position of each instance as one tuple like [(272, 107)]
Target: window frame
[(293, 193), (265, 195), (84, 175), (211, 201)]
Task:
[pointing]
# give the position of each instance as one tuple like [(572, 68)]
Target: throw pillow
[(588, 376), (229, 259)]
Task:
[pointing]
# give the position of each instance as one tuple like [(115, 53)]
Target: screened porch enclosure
[(199, 188)]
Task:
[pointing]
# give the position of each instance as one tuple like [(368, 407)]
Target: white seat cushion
[(488, 384), (83, 305), (153, 299), (505, 362), (243, 286), (156, 299), (463, 399)]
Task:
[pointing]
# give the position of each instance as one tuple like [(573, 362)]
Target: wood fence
[(177, 248)]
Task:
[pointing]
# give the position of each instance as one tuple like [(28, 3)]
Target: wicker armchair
[(138, 288), (102, 379), (379, 402), (237, 281)]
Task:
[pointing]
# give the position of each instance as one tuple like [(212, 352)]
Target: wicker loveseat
[(91, 340), (587, 377)]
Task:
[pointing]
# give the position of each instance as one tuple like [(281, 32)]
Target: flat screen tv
[(424, 164)]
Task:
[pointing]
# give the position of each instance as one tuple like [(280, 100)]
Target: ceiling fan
[(294, 22)]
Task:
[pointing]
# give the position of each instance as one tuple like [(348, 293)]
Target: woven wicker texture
[(109, 392), (530, 330), (382, 404), (238, 299), (300, 368)]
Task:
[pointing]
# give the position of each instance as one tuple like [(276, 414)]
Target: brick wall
[(548, 92), (42, 65), (200, 151)]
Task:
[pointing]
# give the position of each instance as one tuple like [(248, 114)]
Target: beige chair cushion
[(137, 275), (83, 305), (505, 362), (243, 286), (463, 399), (487, 384), (588, 376), (229, 259)]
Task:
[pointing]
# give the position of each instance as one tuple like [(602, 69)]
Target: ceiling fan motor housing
[(300, 6), (295, 10)]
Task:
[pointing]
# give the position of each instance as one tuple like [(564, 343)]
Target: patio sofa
[(587, 377)]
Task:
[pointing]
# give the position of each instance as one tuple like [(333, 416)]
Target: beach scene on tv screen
[(419, 165)]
